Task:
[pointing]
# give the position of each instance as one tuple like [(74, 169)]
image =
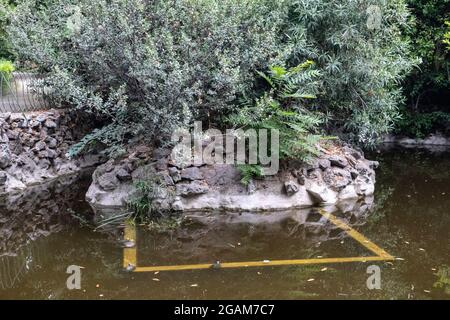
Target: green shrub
[(361, 66), (446, 40), (428, 86), (6, 70), (284, 107), (5, 46), (417, 124), (248, 172), (147, 67)]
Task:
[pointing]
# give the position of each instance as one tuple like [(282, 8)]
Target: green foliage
[(444, 279), (6, 70), (361, 67), (249, 172), (6, 8), (147, 67), (283, 107), (428, 86), (6, 67), (142, 205), (446, 40), (415, 124)]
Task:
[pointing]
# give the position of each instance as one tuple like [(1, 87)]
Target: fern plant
[(248, 172), (283, 107)]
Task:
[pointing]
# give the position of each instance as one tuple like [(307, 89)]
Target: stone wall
[(33, 147), (431, 140), (338, 174)]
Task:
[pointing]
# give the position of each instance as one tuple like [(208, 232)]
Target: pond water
[(43, 231)]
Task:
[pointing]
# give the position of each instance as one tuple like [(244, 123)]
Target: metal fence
[(18, 94), (14, 268)]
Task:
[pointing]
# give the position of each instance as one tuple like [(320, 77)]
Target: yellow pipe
[(248, 264), (130, 254)]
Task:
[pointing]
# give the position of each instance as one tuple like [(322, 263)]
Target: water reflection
[(409, 217), (33, 214)]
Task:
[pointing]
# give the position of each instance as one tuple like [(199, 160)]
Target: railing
[(17, 93), (14, 268)]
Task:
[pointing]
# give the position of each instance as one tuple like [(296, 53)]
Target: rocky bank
[(34, 145), (339, 174)]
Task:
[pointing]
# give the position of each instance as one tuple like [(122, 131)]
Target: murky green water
[(409, 218)]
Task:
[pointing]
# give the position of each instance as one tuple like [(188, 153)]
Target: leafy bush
[(248, 172), (361, 64), (414, 124), (446, 40), (5, 11), (427, 88), (146, 67), (283, 107), (149, 66), (6, 70)]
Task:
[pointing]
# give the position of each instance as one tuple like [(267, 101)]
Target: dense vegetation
[(428, 87), (147, 67)]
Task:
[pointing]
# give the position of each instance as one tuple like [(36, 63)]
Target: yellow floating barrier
[(130, 254)]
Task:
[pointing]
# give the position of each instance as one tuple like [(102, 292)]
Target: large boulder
[(5, 156)]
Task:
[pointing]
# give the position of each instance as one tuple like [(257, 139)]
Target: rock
[(34, 124), (348, 192), (407, 141), (3, 137), (123, 175), (5, 116), (436, 140), (363, 168), (160, 153), (374, 164), (161, 164), (50, 124), (175, 174), (12, 134), (52, 154), (324, 164), (337, 178), (313, 165), (217, 187), (290, 187), (191, 173), (338, 161), (40, 145), (51, 142), (354, 173), (191, 189), (3, 178), (108, 181), (44, 164), (301, 180), (321, 194), (251, 187), (177, 205), (41, 118), (165, 178), (5, 156), (16, 117), (315, 174), (364, 186)]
